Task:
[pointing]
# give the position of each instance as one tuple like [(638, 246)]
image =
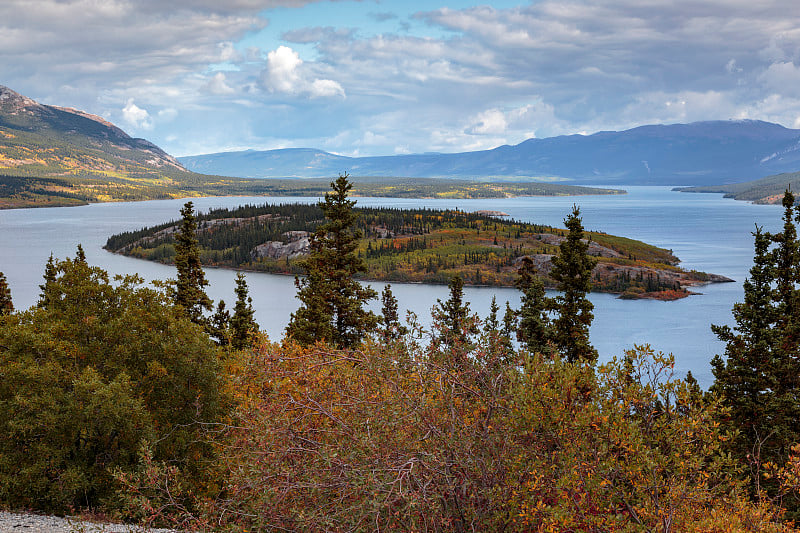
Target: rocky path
[(33, 523)]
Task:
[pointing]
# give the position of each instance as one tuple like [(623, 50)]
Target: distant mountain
[(700, 153), (55, 156), (43, 140), (52, 156)]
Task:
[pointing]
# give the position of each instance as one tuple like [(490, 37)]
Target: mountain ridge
[(20, 113), (706, 152)]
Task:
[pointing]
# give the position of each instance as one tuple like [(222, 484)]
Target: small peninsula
[(768, 191), (418, 245)]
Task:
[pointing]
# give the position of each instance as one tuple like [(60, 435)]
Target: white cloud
[(492, 121), (782, 77), (228, 53), (165, 115), (217, 85), (320, 88), (285, 74), (136, 116), (281, 71), (732, 68)]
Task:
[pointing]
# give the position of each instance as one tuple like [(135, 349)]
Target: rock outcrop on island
[(297, 246)]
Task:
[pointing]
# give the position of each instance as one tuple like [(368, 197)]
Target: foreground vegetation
[(132, 401)]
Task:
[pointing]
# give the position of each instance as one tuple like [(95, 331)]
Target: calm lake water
[(705, 231)]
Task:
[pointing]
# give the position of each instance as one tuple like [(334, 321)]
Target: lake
[(706, 231)]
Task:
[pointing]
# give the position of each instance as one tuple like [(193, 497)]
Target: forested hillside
[(767, 190)]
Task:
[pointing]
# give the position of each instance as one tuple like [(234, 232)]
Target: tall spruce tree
[(243, 322), (391, 328), (455, 322), (492, 325), (759, 379), (6, 305), (572, 270), (49, 276), (219, 325), (332, 302), (80, 255), (508, 328), (190, 292), (745, 380), (534, 330)]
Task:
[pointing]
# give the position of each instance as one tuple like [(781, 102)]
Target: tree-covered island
[(418, 245)]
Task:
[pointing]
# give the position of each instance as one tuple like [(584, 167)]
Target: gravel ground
[(32, 523)]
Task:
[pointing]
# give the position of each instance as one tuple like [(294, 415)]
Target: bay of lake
[(707, 232)]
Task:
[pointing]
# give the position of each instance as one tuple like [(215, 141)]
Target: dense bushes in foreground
[(96, 373), (395, 437)]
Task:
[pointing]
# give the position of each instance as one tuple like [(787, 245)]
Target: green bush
[(87, 377)]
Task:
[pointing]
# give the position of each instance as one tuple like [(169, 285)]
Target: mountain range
[(40, 139), (699, 153), (52, 155)]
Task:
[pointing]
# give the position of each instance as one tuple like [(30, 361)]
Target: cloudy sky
[(379, 77)]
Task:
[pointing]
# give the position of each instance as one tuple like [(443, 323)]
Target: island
[(418, 245)]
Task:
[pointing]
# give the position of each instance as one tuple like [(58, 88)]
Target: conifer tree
[(509, 327), (509, 322), (332, 302), (744, 380), (80, 256), (50, 273), (572, 270), (190, 292), (759, 380), (6, 305), (392, 328), (492, 324), (534, 329), (455, 322), (242, 322), (219, 325)]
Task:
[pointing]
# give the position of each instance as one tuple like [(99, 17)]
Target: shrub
[(89, 376)]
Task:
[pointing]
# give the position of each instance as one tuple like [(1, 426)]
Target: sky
[(384, 77)]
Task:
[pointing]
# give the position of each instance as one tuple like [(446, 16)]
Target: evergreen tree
[(190, 292), (492, 324), (759, 380), (744, 380), (572, 270), (242, 323), (332, 302), (453, 318), (6, 305), (509, 327), (219, 325), (50, 273), (80, 256), (392, 328), (534, 330)]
